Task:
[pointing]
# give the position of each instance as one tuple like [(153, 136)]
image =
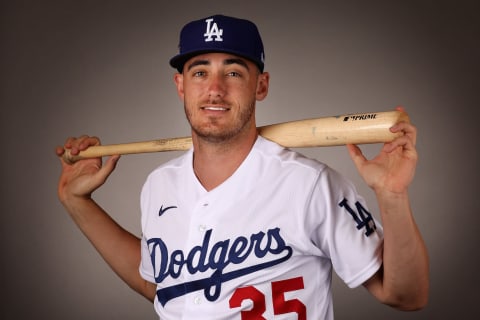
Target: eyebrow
[(226, 62), (238, 61)]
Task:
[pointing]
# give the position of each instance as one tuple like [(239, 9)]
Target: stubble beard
[(214, 132)]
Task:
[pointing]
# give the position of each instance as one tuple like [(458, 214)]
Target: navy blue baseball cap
[(220, 33)]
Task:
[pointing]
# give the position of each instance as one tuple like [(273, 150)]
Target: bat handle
[(92, 152), (172, 144)]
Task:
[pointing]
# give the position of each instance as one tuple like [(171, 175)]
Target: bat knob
[(68, 158)]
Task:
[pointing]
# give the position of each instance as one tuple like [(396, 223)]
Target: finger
[(68, 144), (356, 154), (406, 127), (84, 142), (108, 167), (403, 142), (409, 131), (59, 151), (81, 143)]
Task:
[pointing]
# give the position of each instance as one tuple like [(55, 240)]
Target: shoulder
[(286, 158), (290, 161), (171, 168), (312, 172)]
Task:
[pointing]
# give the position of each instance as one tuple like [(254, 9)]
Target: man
[(239, 227)]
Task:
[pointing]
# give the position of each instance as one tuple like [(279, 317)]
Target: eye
[(234, 74), (199, 73)]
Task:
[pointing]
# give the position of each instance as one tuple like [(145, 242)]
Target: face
[(219, 92)]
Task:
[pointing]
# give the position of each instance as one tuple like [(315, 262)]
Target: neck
[(215, 162)]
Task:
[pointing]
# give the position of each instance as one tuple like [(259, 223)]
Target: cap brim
[(179, 60)]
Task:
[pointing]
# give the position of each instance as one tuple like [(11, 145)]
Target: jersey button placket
[(197, 226), (202, 227), (197, 300)]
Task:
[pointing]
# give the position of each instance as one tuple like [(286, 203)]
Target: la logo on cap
[(212, 31)]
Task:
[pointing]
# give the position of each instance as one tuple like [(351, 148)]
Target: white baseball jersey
[(259, 246)]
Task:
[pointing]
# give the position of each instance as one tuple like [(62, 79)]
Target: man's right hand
[(81, 179), (120, 248)]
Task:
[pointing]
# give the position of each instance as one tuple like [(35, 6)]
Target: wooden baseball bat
[(361, 128)]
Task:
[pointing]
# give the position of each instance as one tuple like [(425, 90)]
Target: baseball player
[(241, 228)]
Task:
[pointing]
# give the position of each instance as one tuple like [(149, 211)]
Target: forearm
[(118, 247), (405, 259)]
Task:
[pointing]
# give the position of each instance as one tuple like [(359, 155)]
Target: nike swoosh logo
[(163, 210)]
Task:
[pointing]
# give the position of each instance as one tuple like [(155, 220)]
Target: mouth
[(216, 108)]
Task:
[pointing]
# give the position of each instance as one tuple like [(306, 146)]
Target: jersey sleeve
[(344, 229), (146, 267)]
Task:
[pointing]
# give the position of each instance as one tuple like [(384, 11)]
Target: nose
[(216, 86)]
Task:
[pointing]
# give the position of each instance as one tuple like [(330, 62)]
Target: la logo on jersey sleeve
[(361, 216)]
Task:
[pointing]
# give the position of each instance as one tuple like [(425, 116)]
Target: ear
[(262, 86), (178, 78)]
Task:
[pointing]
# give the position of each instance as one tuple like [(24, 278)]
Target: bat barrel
[(364, 128)]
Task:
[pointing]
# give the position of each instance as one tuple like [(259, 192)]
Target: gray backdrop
[(100, 67)]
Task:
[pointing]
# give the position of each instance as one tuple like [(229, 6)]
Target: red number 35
[(280, 305)]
